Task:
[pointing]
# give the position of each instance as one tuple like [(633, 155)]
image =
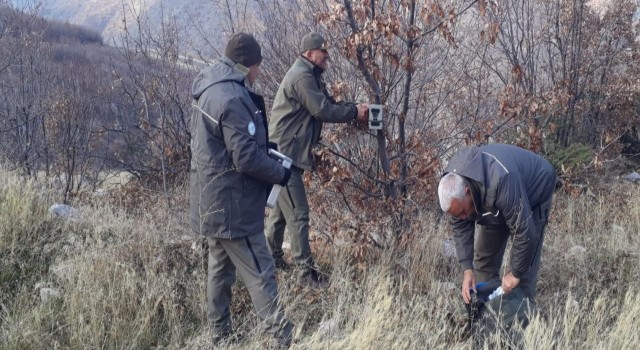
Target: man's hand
[(363, 112), (509, 282), (468, 283)]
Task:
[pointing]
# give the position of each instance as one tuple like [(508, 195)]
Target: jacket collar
[(476, 193), (240, 75), (478, 196), (317, 71)]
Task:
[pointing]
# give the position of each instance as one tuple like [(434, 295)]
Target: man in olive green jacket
[(301, 105)]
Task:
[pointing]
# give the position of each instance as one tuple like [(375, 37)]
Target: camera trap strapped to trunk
[(375, 117)]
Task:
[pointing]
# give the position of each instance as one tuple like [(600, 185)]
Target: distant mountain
[(106, 16), (97, 15), (93, 14)]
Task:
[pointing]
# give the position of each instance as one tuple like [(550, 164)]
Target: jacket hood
[(469, 163), (222, 71), (482, 172)]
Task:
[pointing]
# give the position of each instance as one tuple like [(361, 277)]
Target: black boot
[(280, 263), (310, 276)]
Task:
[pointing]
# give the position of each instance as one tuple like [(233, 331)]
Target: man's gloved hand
[(287, 176), (272, 145)]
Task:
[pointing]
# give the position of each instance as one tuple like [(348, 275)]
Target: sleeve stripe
[(205, 113), (499, 162)]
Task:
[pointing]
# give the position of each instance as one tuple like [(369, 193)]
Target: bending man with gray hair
[(507, 191)]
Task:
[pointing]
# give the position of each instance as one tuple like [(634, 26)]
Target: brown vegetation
[(135, 280), (553, 76)]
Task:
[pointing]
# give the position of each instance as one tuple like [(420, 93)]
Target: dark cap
[(313, 41), (244, 49)]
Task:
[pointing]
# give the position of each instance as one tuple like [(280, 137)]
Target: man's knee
[(220, 271), (301, 215), (487, 274)]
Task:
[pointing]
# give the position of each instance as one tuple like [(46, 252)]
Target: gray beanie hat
[(313, 41), (244, 49)]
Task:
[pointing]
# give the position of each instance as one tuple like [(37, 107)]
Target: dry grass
[(135, 279)]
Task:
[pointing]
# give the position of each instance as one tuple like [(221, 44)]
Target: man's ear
[(467, 190)]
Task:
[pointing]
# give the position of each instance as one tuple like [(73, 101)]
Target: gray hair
[(451, 186)]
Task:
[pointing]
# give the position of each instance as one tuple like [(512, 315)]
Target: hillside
[(126, 272), (133, 279), (73, 107), (106, 17)]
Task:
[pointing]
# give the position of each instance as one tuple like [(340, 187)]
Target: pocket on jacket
[(222, 208), (296, 134), (254, 199), (219, 211), (211, 218)]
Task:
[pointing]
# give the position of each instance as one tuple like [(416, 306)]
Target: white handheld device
[(275, 190)]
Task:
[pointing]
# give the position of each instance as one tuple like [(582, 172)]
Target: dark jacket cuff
[(466, 264), (517, 274), (287, 176)]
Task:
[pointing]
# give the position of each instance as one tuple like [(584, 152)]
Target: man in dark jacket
[(301, 105), (231, 174), (507, 191)]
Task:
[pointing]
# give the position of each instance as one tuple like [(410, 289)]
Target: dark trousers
[(291, 212), (490, 244), (250, 258)]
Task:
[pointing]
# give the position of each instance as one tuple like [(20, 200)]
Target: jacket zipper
[(297, 131)]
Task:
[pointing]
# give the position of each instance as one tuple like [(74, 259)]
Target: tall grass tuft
[(126, 282), (25, 236)]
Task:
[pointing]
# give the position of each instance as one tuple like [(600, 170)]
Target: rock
[(114, 181), (337, 241), (633, 177), (183, 240), (72, 243), (100, 192), (449, 248), (578, 251), (47, 294), (63, 271), (376, 239), (329, 328), (65, 212)]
